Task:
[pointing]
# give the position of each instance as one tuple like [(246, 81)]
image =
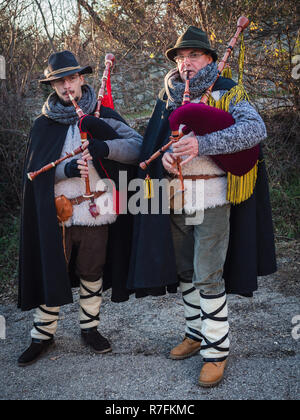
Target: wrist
[(98, 149), (71, 169)]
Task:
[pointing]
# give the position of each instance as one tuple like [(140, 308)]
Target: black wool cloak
[(251, 251), (44, 277)]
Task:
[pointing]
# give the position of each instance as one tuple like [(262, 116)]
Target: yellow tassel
[(148, 188), (237, 93), (240, 188), (227, 72), (241, 60)]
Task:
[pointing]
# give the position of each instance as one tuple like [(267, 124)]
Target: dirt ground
[(263, 365)]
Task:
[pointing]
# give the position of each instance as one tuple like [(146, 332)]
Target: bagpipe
[(201, 118)]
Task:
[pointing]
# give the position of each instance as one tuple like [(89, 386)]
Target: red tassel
[(94, 210), (107, 98)]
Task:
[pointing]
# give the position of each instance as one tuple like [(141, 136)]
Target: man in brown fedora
[(225, 251), (55, 256)]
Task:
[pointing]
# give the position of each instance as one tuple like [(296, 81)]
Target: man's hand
[(86, 156), (83, 163), (187, 146), (83, 168), (170, 164)]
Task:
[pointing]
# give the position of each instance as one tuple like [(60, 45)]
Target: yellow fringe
[(237, 92), (148, 188), (227, 72), (241, 60), (240, 188)]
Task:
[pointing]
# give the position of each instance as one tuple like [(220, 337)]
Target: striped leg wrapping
[(215, 327), (90, 302), (191, 302), (45, 322)]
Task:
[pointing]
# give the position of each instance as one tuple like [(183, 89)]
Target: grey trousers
[(200, 257), (201, 250)]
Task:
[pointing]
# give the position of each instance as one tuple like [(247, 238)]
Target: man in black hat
[(225, 251), (56, 256)]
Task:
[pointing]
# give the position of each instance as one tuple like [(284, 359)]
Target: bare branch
[(45, 25)]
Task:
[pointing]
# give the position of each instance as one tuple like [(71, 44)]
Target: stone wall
[(135, 89)]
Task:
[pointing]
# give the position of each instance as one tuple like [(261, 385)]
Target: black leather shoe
[(36, 349), (95, 340)]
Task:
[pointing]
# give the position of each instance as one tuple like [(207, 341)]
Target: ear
[(82, 80), (209, 58)]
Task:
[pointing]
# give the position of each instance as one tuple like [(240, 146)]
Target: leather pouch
[(64, 208)]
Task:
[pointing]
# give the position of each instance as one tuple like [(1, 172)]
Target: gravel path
[(264, 361)]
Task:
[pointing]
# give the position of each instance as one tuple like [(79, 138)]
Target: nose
[(185, 63), (184, 67), (66, 84)]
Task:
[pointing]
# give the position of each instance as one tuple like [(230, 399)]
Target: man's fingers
[(183, 143), (86, 155), (184, 162), (83, 168), (183, 152), (169, 159), (186, 146), (85, 145), (169, 163), (180, 143), (81, 162)]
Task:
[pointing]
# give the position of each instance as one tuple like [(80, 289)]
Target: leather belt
[(78, 200), (195, 177)]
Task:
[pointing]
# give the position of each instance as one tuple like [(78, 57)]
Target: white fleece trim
[(201, 165), (210, 193), (215, 189)]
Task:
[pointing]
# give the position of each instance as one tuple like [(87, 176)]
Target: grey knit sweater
[(248, 130)]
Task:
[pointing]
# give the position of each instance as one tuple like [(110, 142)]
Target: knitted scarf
[(175, 86), (63, 114)]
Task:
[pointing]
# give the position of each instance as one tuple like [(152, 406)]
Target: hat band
[(54, 73)]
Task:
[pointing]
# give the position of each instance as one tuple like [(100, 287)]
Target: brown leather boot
[(185, 349), (212, 373)]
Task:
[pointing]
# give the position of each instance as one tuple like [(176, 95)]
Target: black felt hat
[(193, 38), (63, 64)]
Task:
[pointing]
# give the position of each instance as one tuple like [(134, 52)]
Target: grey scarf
[(55, 110), (175, 86)]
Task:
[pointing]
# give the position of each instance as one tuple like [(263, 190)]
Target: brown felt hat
[(63, 64)]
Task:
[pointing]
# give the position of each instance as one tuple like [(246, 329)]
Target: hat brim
[(171, 53), (82, 70)]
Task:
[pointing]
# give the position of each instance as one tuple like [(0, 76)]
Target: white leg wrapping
[(215, 327), (45, 323), (90, 302), (191, 302)]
